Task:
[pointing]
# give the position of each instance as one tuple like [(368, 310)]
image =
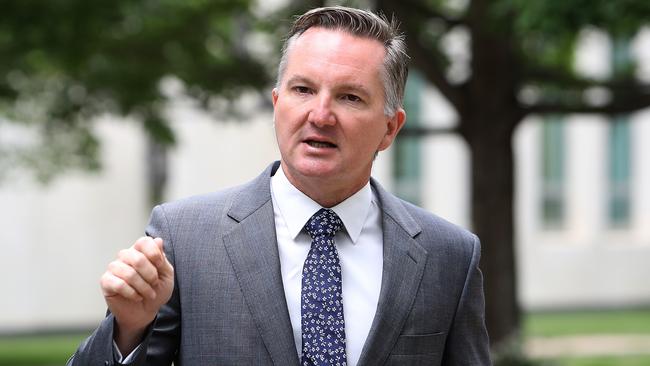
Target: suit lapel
[(252, 248), (404, 262)]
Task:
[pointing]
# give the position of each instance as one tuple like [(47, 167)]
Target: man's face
[(329, 109)]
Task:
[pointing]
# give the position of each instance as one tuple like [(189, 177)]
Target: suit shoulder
[(254, 192), (427, 228), (205, 202), (431, 221), (435, 229)]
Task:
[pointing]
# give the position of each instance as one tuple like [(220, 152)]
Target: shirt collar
[(296, 208)]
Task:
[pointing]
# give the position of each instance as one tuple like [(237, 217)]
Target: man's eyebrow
[(298, 79)]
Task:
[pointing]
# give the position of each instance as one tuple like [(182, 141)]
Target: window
[(407, 150), (619, 172), (618, 195), (553, 175)]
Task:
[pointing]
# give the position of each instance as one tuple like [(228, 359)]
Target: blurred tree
[(66, 61), (520, 63)]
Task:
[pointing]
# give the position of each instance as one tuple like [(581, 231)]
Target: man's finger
[(159, 243), (140, 263), (113, 286), (165, 268), (132, 278), (147, 246)]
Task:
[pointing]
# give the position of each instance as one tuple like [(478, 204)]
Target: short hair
[(364, 24)]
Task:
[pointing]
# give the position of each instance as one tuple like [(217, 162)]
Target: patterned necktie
[(323, 330)]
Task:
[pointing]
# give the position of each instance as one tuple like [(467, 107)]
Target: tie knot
[(325, 222)]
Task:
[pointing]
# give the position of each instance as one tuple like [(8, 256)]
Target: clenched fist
[(135, 286)]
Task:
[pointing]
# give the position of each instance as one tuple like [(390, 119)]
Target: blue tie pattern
[(323, 330)]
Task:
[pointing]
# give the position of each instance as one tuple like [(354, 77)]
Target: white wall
[(56, 240)]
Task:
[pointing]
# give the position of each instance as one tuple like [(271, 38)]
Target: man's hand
[(135, 286)]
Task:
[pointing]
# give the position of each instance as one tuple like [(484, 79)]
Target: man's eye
[(351, 98), (301, 89)]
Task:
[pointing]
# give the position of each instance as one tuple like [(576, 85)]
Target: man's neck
[(326, 192)]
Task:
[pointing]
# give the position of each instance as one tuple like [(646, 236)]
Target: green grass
[(587, 322), (590, 323), (605, 361), (38, 350)]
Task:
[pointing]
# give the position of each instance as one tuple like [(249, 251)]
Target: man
[(311, 263)]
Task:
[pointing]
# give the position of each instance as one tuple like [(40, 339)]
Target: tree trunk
[(157, 167), (492, 218)]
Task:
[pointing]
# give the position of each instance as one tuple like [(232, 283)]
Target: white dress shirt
[(360, 249)]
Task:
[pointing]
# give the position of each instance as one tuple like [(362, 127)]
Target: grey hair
[(365, 24)]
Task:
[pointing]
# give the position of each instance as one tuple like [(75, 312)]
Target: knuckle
[(113, 266), (150, 276), (141, 242), (114, 284), (121, 286), (105, 279), (152, 257), (129, 275), (139, 260), (124, 253)]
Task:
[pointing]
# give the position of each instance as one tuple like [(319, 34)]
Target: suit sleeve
[(160, 344), (467, 342)]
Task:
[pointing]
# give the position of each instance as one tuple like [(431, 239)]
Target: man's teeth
[(319, 144)]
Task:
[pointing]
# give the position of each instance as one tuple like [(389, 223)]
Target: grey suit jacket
[(228, 305)]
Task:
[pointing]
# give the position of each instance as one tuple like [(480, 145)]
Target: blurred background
[(527, 124)]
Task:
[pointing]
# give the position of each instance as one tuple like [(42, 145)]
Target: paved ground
[(590, 345)]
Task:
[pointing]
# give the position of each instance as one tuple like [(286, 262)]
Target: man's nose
[(321, 113)]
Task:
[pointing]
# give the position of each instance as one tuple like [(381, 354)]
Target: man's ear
[(274, 96), (394, 125)]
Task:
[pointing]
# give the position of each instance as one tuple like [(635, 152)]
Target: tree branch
[(627, 102), (625, 94), (424, 58), (425, 61), (414, 7), (567, 79)]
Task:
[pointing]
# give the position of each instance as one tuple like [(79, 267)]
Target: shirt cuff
[(117, 355)]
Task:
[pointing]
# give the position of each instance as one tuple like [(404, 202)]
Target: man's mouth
[(320, 144)]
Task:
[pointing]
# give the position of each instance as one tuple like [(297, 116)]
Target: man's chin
[(314, 168), (321, 171)]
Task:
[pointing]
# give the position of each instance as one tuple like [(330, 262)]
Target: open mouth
[(320, 144)]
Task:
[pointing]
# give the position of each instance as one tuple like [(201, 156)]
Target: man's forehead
[(324, 42), (317, 49), (319, 32)]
